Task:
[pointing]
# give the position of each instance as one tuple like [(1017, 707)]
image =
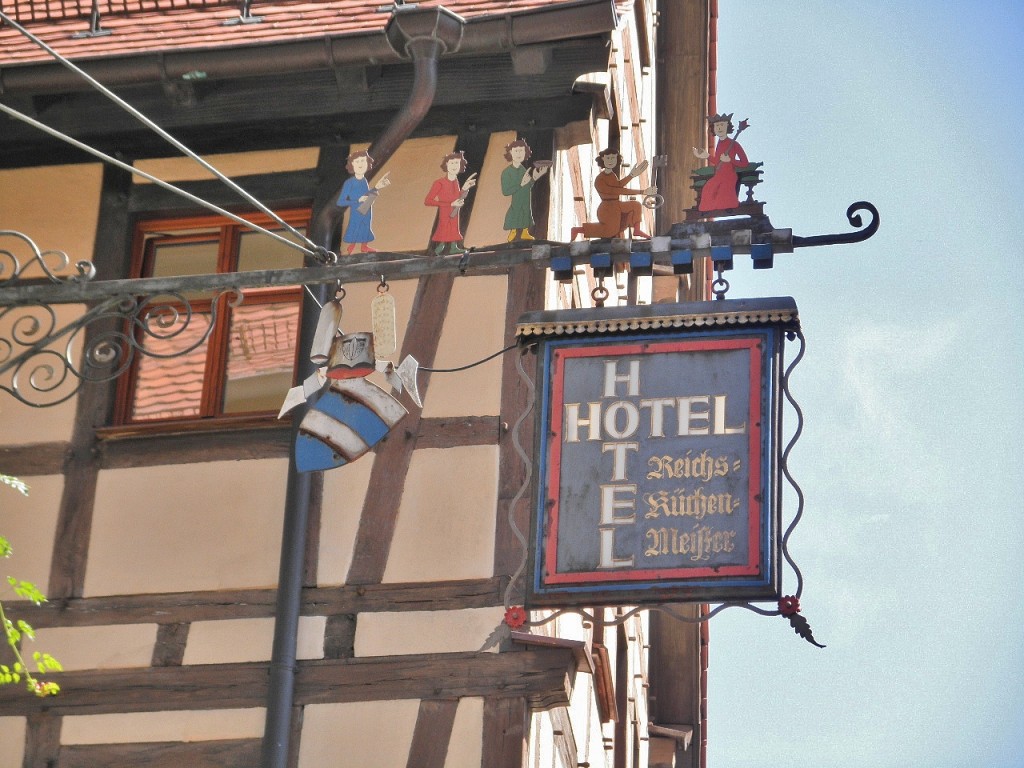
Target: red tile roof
[(145, 26)]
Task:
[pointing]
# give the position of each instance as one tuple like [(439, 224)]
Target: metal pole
[(283, 665)]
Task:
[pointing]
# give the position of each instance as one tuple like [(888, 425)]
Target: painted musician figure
[(448, 197), (517, 183), (357, 196), (721, 191), (615, 216)]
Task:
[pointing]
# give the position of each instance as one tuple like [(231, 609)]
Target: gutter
[(423, 35), (484, 34)]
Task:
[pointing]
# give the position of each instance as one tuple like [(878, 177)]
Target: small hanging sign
[(659, 461)]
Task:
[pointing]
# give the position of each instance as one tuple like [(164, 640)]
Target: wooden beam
[(226, 753), (526, 288), (94, 403), (433, 733), (285, 189), (340, 636), (42, 735), (394, 455), (150, 445), (674, 670), (561, 730), (682, 98), (150, 448), (169, 650), (506, 725), (543, 677), (34, 459), (454, 431), (184, 607)]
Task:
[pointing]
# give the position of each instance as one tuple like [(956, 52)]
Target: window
[(245, 363)]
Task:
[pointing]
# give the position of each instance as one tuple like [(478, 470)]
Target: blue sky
[(911, 386)]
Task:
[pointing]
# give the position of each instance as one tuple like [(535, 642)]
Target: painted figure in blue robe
[(359, 197)]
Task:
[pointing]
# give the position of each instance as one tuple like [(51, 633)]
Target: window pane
[(177, 258), (171, 388), (174, 259), (261, 356), (257, 251)]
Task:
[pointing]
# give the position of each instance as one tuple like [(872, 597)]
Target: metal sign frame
[(605, 443)]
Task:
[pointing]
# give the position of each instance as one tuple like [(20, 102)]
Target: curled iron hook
[(853, 216)]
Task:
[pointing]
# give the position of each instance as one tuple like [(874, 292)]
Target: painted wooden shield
[(351, 417)]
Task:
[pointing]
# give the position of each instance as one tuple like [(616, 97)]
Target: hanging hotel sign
[(658, 452)]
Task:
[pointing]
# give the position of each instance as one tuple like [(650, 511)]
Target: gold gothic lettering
[(699, 543), (696, 504)]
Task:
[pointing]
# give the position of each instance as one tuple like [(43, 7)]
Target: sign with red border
[(656, 478)]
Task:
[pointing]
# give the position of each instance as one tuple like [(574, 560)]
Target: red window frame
[(153, 232)]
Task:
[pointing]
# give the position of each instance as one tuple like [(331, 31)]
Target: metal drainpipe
[(424, 35)]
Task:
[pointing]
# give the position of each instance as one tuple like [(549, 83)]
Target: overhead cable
[(160, 182), (157, 129)]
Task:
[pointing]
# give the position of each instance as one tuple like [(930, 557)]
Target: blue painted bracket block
[(721, 255), (682, 262), (601, 263), (641, 263), (763, 255), (561, 266)]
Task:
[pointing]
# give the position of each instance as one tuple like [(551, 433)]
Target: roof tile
[(144, 30)]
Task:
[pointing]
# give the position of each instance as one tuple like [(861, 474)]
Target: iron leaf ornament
[(790, 608)]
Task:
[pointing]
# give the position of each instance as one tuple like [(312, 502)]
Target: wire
[(156, 128), (131, 169), (471, 365)]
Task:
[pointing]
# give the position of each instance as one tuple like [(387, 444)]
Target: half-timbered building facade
[(211, 605)]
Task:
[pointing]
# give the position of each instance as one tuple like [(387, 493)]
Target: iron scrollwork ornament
[(51, 265), (44, 364)]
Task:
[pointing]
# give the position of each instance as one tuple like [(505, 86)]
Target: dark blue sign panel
[(657, 468)]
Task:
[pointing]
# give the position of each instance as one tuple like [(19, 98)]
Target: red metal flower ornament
[(789, 605), (515, 616), (790, 608)]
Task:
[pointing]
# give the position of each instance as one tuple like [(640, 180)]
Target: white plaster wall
[(12, 740), (231, 641), (401, 222), (230, 164), (29, 524), (395, 634), (445, 527), (163, 726), (187, 527), (57, 207), (373, 734), (105, 647), (486, 226), (474, 328), (344, 493), (465, 749), (22, 424)]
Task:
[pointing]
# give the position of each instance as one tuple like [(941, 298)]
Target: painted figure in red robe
[(721, 191), (448, 197), (615, 216)]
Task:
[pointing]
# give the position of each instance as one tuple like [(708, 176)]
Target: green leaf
[(14, 483), (26, 629), (6, 550), (27, 590)]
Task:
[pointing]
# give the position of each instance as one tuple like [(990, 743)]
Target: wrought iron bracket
[(853, 216)]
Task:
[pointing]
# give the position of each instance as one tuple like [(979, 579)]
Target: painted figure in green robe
[(517, 182)]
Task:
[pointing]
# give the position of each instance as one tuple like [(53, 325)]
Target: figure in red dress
[(448, 197), (721, 191), (615, 216)]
